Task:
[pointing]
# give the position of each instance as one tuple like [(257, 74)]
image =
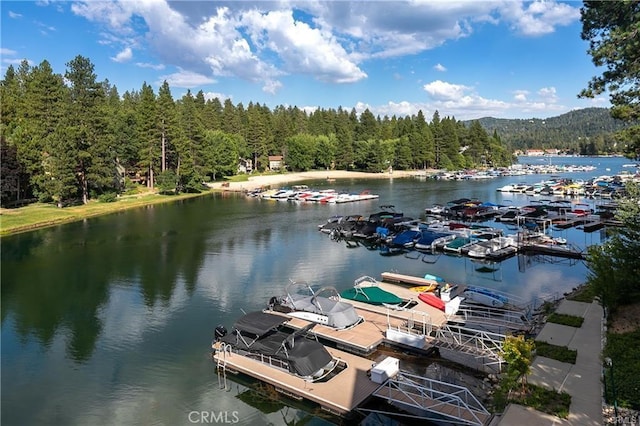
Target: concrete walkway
[(581, 380)]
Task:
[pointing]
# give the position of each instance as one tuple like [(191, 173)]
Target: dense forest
[(588, 131), (69, 138)]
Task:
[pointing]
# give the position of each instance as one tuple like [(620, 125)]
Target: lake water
[(108, 321)]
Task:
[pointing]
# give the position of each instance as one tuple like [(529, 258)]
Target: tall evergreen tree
[(88, 144), (345, 152), (42, 110), (438, 139), (148, 134), (367, 128), (189, 146), (167, 122), (612, 31)]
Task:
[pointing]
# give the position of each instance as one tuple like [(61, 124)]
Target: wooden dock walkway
[(394, 277), (339, 395), (364, 338)]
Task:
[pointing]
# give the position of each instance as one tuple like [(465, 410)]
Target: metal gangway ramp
[(478, 343), (499, 320), (450, 403)]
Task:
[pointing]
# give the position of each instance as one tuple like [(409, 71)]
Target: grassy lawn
[(559, 353), (624, 351), (537, 397), (40, 215), (564, 319)]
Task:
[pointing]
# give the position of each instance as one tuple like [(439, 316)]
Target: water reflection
[(115, 314)]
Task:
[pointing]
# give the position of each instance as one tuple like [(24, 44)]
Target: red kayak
[(432, 300)]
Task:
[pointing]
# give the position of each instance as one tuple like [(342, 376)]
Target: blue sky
[(468, 59)]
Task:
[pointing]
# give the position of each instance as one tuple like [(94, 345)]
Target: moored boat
[(484, 296), (367, 290), (301, 301), (259, 336)]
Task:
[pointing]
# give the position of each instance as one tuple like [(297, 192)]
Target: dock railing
[(478, 343), (454, 403)]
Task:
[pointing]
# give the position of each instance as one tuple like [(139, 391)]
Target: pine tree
[(41, 110), (148, 134), (94, 158)]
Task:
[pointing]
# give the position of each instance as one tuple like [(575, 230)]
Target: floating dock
[(394, 277), (338, 395), (552, 250), (364, 338)]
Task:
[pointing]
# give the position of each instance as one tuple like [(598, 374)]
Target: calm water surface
[(108, 321)]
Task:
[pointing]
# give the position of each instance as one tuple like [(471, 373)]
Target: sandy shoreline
[(277, 180)]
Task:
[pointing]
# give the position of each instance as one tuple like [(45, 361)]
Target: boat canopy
[(338, 314), (304, 357), (258, 323)]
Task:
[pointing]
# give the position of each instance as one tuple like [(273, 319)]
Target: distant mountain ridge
[(566, 131)]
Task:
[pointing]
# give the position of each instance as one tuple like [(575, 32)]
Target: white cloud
[(16, 61), (441, 90), (539, 17), (272, 86), (116, 15), (399, 109), (212, 95), (302, 49), (186, 79), (14, 15), (463, 103), (123, 56), (548, 94), (44, 28), (520, 95), (439, 67), (157, 67), (5, 51), (261, 42)]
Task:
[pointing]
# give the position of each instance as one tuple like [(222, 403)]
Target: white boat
[(436, 209), (350, 198), (482, 249), (485, 297), (506, 188), (302, 302)]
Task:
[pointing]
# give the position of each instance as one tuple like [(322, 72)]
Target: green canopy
[(371, 295)]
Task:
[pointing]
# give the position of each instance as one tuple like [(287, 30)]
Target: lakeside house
[(275, 162)]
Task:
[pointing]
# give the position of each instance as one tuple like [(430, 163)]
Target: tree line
[(68, 137), (587, 131)]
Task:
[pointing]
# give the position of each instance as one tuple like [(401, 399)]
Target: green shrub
[(108, 197), (564, 319)]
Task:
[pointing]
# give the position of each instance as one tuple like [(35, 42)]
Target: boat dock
[(394, 277), (360, 380), (553, 250), (363, 338), (338, 395), (433, 316)]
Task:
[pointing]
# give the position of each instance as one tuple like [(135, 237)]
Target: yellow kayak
[(424, 288)]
